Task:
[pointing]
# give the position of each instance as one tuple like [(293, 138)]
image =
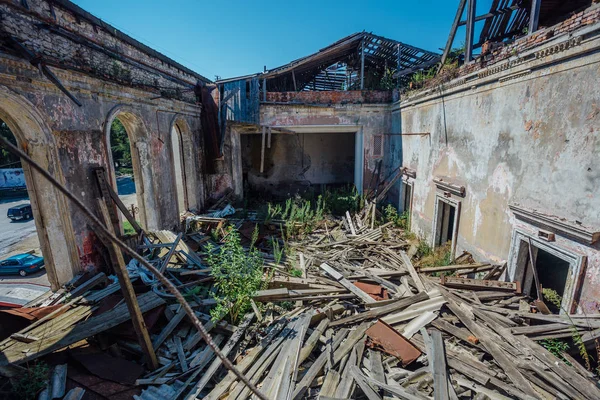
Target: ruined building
[(496, 153)]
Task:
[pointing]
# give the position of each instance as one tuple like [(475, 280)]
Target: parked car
[(22, 264), (22, 211)]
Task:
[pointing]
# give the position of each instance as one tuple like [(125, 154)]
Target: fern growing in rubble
[(553, 297)]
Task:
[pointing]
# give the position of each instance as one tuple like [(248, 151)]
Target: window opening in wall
[(377, 145), (445, 223), (123, 164), (20, 250)]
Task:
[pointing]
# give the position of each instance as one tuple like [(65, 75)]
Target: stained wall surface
[(526, 132)]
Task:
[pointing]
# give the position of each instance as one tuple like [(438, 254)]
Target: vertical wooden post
[(294, 79), (262, 149), (265, 89), (461, 8), (269, 138), (470, 30), (129, 296), (362, 64), (534, 16)]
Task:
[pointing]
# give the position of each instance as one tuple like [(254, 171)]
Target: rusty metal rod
[(100, 226)]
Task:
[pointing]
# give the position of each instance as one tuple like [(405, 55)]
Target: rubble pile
[(345, 312)]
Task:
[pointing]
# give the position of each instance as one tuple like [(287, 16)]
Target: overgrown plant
[(238, 276), (31, 382), (392, 215), (553, 297), (277, 250), (556, 347)]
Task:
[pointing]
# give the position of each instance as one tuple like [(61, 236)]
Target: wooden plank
[(347, 284), (180, 354), (470, 31), (168, 329), (397, 305), (329, 384), (217, 362), (120, 269), (484, 335), (312, 340), (167, 259), (320, 362), (350, 224), (450, 41), (250, 360), (412, 271), (440, 370), (20, 352), (364, 386), (262, 149)]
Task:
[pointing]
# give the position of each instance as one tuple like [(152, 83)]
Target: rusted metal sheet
[(382, 336), (375, 291)]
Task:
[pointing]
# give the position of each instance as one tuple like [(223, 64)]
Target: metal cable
[(100, 226)]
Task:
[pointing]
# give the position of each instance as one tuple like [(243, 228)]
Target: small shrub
[(296, 272), (238, 276), (439, 257), (556, 347), (128, 228), (31, 383)]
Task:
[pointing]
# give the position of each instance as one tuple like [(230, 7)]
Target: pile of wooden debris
[(346, 314)]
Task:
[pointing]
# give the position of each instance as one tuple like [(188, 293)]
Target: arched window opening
[(179, 170), (20, 251)]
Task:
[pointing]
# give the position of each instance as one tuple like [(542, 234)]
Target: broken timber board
[(217, 363), (120, 269), (347, 284), (441, 389), (412, 271)]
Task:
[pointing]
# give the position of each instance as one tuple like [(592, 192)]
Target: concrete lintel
[(320, 128)]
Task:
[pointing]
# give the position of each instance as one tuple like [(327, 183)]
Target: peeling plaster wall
[(530, 135)]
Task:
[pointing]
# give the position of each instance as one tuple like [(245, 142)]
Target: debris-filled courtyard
[(374, 220)]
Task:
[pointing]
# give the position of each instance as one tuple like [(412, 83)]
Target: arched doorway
[(185, 165), (51, 212), (179, 169), (129, 163)]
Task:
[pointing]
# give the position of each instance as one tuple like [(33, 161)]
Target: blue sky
[(239, 37)]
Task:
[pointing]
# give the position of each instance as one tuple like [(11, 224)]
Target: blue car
[(22, 264)]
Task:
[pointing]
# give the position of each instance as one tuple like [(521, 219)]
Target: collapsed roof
[(339, 65)]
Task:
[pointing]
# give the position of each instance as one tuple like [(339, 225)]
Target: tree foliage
[(120, 148), (7, 160)]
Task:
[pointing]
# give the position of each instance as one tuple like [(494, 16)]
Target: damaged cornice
[(552, 223)]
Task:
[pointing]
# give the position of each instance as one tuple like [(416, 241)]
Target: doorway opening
[(445, 223), (178, 168), (406, 199), (552, 270), (558, 269), (297, 162)]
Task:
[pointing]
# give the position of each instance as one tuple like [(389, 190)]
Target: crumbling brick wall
[(110, 75)]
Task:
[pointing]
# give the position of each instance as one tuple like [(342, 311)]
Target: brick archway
[(50, 208)]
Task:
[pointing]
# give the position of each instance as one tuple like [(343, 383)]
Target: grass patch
[(128, 228), (438, 257)]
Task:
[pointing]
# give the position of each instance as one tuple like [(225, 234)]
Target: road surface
[(13, 232)]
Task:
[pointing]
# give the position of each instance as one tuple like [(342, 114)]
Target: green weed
[(28, 386), (238, 276)]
